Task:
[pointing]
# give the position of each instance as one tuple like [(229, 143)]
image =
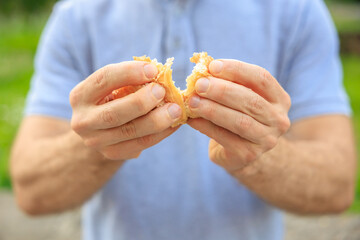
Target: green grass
[(18, 41)]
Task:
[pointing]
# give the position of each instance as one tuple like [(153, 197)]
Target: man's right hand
[(122, 128)]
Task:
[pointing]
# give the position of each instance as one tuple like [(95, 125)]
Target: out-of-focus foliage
[(25, 6), (18, 41), (342, 1)]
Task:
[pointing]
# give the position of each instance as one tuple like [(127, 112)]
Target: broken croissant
[(172, 93)]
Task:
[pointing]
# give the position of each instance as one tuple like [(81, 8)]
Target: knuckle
[(240, 67), (108, 116), (128, 130), (283, 124), (102, 75), (270, 142), (264, 77), (256, 105), (78, 124), (208, 110), (242, 123), (146, 141), (75, 97), (287, 101), (221, 90), (139, 104)]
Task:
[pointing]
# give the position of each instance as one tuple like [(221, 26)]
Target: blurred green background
[(21, 23)]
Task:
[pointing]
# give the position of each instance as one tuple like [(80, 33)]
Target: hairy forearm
[(305, 177), (57, 173)]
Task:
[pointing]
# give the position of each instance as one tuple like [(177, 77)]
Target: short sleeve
[(314, 72), (56, 70)]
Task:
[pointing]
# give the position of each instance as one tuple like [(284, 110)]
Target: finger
[(156, 121), (123, 110), (128, 149), (111, 77), (254, 77), (119, 111), (237, 97), (235, 152), (232, 162), (234, 121)]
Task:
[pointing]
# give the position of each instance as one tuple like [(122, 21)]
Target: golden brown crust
[(164, 78), (172, 94), (201, 69)]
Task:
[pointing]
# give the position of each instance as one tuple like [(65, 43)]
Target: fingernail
[(194, 101), (174, 111), (202, 85), (158, 91), (216, 67), (150, 71)]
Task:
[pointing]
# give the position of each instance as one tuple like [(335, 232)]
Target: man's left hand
[(243, 109)]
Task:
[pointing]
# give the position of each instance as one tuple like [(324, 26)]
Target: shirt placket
[(179, 39)]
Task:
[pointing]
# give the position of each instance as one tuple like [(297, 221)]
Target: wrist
[(86, 153)]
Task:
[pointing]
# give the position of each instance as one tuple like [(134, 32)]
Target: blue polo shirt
[(173, 190)]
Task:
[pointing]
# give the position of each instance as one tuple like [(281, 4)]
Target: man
[(142, 179)]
